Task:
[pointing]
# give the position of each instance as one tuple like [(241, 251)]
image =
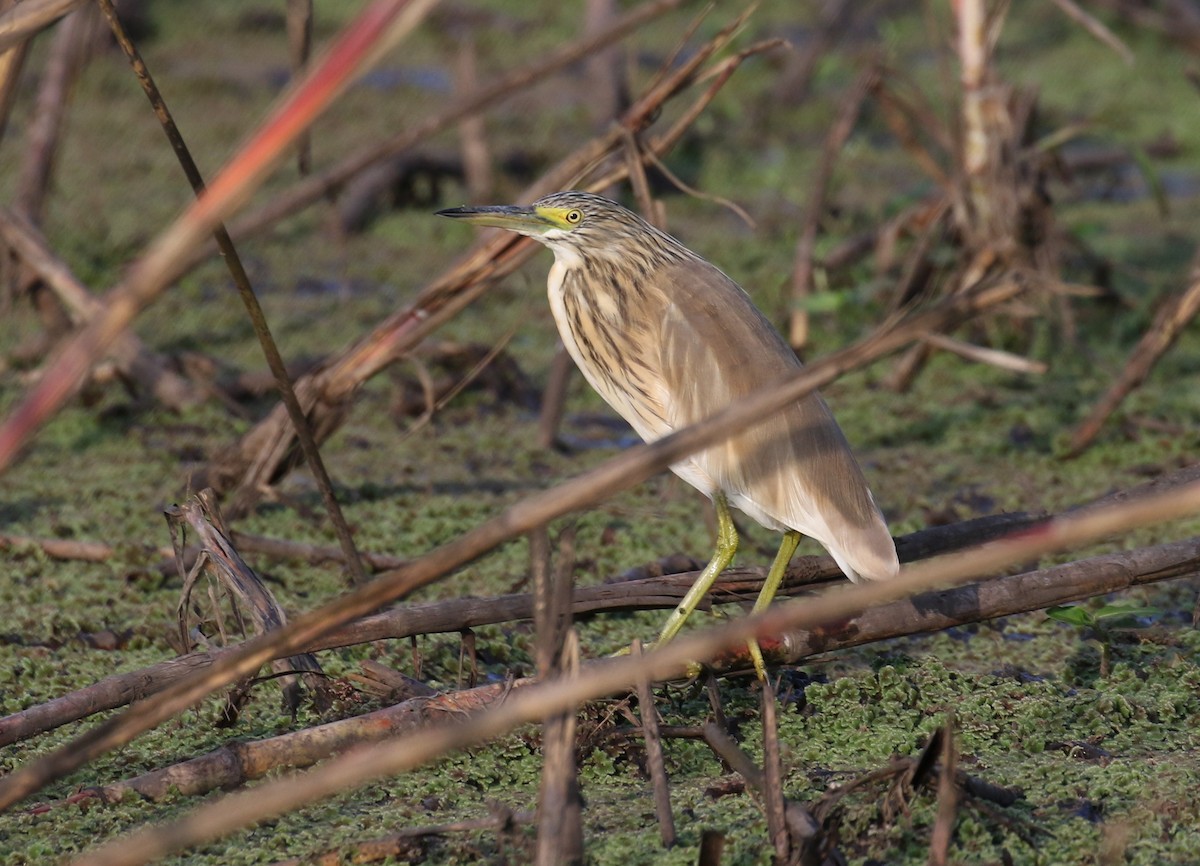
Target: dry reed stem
[(65, 60), (554, 396), (66, 56), (984, 355), (772, 779), (999, 596), (239, 762), (1095, 28), (299, 36), (947, 798), (12, 62), (472, 132), (149, 370), (1169, 323), (223, 565), (648, 714), (28, 17), (560, 807), (278, 548), (792, 829), (712, 848), (454, 615), (973, 56), (65, 548)]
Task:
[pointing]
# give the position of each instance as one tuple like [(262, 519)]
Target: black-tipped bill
[(515, 218)]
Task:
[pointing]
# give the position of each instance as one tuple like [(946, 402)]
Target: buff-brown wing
[(795, 469)]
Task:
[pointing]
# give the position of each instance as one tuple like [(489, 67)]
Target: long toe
[(760, 667)]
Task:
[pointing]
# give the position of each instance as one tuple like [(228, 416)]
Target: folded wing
[(793, 471)]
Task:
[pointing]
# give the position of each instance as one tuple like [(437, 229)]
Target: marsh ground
[(966, 440)]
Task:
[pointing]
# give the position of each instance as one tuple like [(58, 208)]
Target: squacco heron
[(668, 339)]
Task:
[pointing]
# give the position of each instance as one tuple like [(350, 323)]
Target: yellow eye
[(573, 216)]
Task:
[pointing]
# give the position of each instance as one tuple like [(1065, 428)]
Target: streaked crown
[(597, 226)]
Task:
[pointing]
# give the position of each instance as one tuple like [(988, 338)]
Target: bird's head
[(567, 222)]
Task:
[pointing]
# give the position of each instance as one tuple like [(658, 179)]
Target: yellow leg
[(791, 539), (727, 542)]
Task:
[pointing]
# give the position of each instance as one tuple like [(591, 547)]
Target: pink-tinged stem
[(379, 25)]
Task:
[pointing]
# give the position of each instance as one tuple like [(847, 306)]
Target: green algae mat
[(1085, 726)]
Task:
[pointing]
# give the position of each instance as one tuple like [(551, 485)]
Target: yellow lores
[(667, 340)]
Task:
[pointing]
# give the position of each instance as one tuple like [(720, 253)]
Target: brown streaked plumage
[(668, 339)]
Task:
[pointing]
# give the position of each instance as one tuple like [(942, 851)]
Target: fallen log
[(239, 762)]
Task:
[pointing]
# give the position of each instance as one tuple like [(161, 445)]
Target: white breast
[(647, 428), (555, 285)]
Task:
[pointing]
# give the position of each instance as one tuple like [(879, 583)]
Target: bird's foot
[(756, 656), (692, 670)]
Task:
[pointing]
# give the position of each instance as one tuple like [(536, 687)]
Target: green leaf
[(823, 302), (1071, 615), (1124, 608)]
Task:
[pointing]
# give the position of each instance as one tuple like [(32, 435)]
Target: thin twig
[(279, 548), (457, 388), (1172, 318), (772, 784), (299, 32), (984, 355), (560, 815), (947, 798), (312, 553), (27, 18), (654, 756), (677, 182), (245, 289), (66, 548), (636, 168), (149, 370), (731, 753), (1095, 27)]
